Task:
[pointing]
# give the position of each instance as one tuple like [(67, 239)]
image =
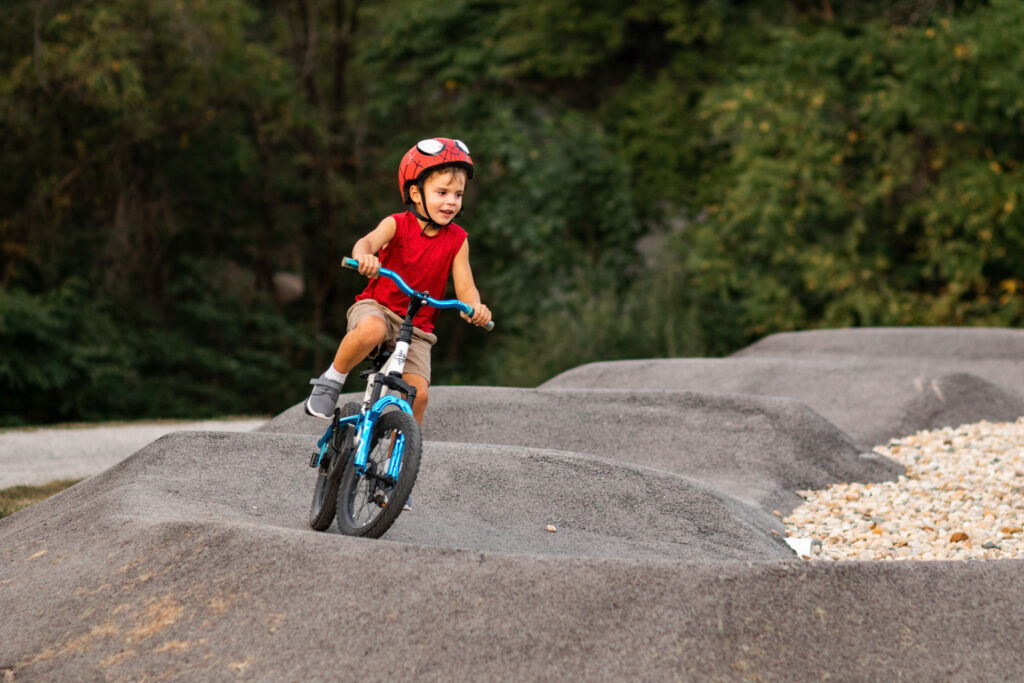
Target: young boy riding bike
[(422, 245)]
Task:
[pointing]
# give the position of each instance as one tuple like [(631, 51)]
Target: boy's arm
[(465, 288), (367, 246)]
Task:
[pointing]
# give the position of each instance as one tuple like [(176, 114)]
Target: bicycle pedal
[(314, 459)]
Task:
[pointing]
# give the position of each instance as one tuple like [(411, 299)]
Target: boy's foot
[(322, 401), (408, 504)]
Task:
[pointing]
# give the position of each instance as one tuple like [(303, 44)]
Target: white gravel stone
[(962, 499)]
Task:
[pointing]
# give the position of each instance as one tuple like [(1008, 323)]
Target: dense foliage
[(664, 178)]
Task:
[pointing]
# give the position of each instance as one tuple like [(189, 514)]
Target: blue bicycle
[(369, 457)]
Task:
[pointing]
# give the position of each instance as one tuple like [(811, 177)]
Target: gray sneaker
[(322, 401)]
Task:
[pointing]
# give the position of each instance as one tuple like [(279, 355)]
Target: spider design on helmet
[(429, 155)]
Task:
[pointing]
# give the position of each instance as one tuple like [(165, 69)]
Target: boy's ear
[(414, 193)]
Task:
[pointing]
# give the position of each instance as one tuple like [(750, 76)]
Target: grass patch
[(19, 497)]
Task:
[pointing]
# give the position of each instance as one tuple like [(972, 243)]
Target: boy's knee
[(372, 329)]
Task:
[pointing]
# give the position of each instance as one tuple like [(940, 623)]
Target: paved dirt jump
[(665, 479)]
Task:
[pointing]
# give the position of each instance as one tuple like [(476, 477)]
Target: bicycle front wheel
[(369, 503)]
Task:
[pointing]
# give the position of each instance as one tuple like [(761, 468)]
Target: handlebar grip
[(488, 327), (350, 263)]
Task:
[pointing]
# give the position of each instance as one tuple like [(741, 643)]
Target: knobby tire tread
[(324, 507)]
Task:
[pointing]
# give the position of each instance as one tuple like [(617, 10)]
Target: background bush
[(672, 178)]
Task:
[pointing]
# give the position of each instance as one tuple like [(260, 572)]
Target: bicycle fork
[(364, 437), (388, 378)]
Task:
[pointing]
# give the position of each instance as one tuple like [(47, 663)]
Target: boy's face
[(442, 196)]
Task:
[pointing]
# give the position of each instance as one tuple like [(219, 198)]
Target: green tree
[(664, 178), (131, 129), (865, 177)]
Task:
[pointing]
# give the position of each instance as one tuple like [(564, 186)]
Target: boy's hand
[(369, 265), (481, 315)]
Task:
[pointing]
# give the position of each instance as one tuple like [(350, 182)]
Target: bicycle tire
[(368, 505), (324, 507), (325, 501)]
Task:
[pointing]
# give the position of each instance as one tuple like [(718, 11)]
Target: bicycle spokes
[(374, 494), (377, 483)]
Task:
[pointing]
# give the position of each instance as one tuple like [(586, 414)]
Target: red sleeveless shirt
[(423, 262)]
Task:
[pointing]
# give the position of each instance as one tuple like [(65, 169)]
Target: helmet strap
[(431, 223)]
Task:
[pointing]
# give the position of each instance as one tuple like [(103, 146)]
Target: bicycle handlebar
[(465, 308)]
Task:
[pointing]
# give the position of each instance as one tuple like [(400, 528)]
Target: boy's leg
[(419, 406), (367, 333), (422, 387), (417, 371), (417, 374)]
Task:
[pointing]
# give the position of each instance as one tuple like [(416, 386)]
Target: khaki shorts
[(418, 362)]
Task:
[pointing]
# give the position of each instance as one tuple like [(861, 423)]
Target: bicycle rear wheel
[(370, 503), (325, 494)]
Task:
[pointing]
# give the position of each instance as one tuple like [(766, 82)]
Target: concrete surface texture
[(871, 398), (38, 456), (192, 559)]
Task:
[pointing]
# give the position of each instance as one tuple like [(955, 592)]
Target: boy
[(422, 245)]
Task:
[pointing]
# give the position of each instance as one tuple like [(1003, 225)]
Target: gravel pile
[(962, 498)]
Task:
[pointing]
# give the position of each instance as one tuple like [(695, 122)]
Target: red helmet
[(430, 155)]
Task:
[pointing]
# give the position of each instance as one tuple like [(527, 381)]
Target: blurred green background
[(662, 178)]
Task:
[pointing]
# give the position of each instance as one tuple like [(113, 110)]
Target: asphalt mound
[(138, 574), (756, 449), (501, 499), (872, 399), (948, 344), (955, 399), (192, 559)]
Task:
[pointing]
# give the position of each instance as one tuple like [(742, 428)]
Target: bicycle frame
[(373, 405), (388, 377)]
